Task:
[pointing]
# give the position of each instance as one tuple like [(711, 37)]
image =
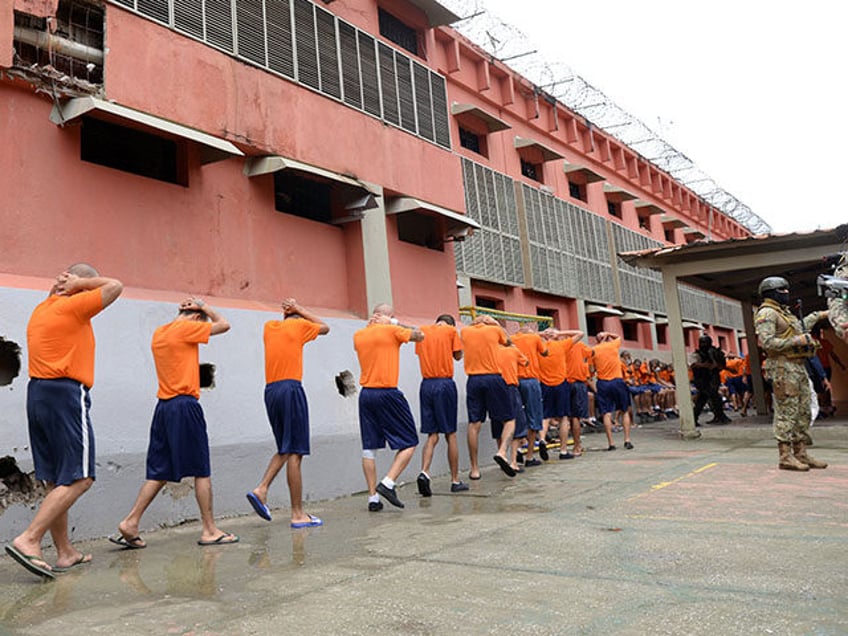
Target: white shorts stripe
[(85, 442)]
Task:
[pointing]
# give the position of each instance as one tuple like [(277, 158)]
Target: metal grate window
[(299, 40), (568, 248), (641, 288), (494, 252)]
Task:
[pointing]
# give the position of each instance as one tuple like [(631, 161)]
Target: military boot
[(800, 451), (788, 461)]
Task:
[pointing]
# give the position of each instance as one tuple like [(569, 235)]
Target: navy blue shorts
[(736, 385), (531, 398), (579, 406), (60, 431), (179, 445), (611, 396), (384, 416), (487, 394), (520, 418), (439, 403), (288, 412), (556, 400)]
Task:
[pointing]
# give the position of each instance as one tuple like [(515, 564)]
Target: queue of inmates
[(526, 384)]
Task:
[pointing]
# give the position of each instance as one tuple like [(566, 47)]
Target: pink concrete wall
[(423, 280), (200, 87), (220, 236)]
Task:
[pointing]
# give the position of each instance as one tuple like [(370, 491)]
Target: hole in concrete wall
[(17, 486), (207, 375), (10, 361), (346, 384)]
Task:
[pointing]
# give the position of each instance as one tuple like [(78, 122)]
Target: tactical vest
[(789, 326)]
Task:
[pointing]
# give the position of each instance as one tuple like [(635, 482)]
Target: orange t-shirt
[(577, 362), (735, 367), (60, 340), (435, 352), (175, 353), (481, 348), (533, 348), (378, 349), (284, 340), (552, 369), (510, 361), (607, 362), (664, 375)]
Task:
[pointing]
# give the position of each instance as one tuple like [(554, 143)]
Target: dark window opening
[(630, 330), (398, 32), (669, 235), (722, 343), (470, 140), (488, 303), (420, 229), (594, 325), (614, 209), (134, 151), (78, 27), (662, 334), (302, 197), (553, 314), (577, 191), (645, 222), (532, 170)]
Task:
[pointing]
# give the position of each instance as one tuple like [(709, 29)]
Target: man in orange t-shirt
[(286, 406), (384, 414), (438, 398), (510, 361), (485, 390), (612, 395), (179, 444), (60, 344), (533, 347), (556, 392), (577, 375)]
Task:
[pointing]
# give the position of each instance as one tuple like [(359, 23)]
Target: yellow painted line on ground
[(663, 484)]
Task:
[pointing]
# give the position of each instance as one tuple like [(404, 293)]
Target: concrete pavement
[(673, 537)]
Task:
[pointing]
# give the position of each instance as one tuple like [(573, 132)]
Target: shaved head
[(384, 310), (83, 270)]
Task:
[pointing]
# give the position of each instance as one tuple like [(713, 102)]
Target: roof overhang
[(548, 154), (256, 166), (693, 231), (595, 310), (212, 148), (589, 175), (646, 206), (735, 267), (672, 221), (459, 224), (492, 123), (615, 193), (437, 14), (632, 316)]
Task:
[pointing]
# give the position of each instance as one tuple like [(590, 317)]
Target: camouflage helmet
[(772, 283)]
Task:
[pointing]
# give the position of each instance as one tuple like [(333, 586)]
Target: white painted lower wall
[(124, 396)]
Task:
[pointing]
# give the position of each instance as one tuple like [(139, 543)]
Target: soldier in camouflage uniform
[(787, 343), (838, 307)]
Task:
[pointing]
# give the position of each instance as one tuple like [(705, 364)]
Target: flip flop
[(258, 507), (224, 539), (474, 477), (83, 560), (500, 461), (313, 522), (27, 561), (131, 543)]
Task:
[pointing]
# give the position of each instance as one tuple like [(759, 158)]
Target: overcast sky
[(752, 92)]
